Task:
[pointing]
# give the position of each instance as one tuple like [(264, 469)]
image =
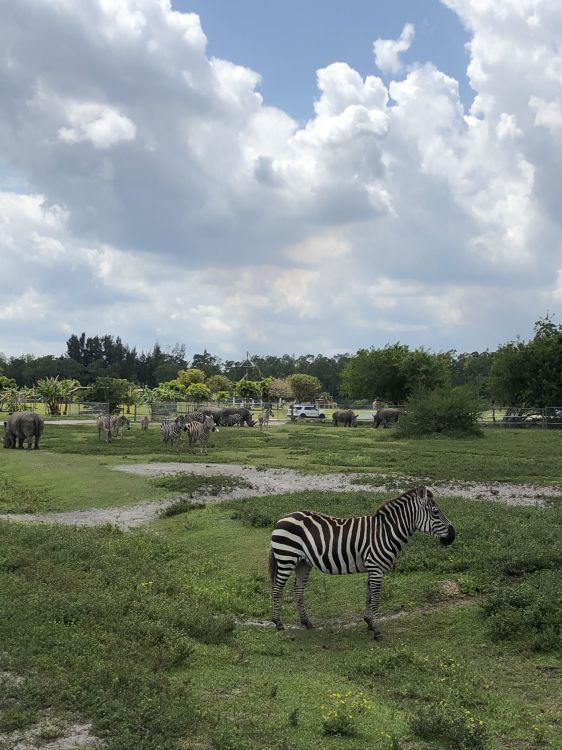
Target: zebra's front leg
[(302, 571), (374, 582)]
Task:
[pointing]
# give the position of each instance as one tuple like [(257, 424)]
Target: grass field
[(73, 468), (149, 634)]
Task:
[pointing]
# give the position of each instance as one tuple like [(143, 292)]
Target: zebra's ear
[(422, 493)]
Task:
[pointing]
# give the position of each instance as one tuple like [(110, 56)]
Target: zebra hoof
[(377, 635), (307, 624), (279, 625)]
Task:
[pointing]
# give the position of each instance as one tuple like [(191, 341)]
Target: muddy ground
[(276, 482)]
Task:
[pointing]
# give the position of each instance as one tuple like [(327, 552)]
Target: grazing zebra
[(170, 432), (198, 432), (104, 425), (145, 421), (263, 418), (119, 423), (362, 544), (192, 416)]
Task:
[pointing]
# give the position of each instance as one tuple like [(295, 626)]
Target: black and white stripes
[(363, 544), (170, 432), (198, 432)]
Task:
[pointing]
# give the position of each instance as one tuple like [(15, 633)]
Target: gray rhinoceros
[(347, 416), (386, 416), (23, 425)]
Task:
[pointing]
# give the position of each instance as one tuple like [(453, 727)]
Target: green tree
[(248, 388), (112, 391), (393, 373), (171, 390), (218, 383), (206, 362), (198, 392), (280, 388), (529, 373), (56, 391), (191, 375), (305, 387)]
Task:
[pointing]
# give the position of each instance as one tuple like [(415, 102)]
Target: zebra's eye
[(434, 512)]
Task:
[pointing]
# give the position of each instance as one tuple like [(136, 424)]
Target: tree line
[(517, 373)]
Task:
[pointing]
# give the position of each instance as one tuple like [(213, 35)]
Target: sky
[(300, 177)]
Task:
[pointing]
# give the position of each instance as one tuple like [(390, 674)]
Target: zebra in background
[(103, 424), (145, 421), (192, 416), (263, 418), (234, 420), (198, 432), (119, 423), (170, 432), (362, 544)]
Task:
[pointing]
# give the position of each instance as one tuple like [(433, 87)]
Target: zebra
[(103, 424), (118, 423), (360, 544), (170, 432), (234, 420), (192, 416), (198, 432), (263, 418), (145, 421)]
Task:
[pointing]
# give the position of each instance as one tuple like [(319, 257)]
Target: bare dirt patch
[(71, 737), (276, 482)]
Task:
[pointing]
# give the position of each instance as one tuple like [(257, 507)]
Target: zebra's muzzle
[(450, 538)]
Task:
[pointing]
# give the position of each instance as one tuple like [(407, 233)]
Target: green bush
[(453, 726), (454, 411), (529, 611)]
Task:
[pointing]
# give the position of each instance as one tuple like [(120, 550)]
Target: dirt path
[(274, 482)]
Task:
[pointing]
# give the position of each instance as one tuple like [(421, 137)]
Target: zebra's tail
[(272, 565)]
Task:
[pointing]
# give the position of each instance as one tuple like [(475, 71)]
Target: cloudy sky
[(279, 177)]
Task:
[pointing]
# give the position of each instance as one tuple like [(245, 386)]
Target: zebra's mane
[(395, 500)]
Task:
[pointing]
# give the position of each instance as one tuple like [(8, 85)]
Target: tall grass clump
[(452, 411)]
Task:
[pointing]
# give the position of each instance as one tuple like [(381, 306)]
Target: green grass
[(134, 633), (73, 469)]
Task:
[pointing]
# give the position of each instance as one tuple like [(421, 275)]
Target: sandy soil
[(276, 482)]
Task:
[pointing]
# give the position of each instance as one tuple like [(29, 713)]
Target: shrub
[(529, 611), (454, 411), (449, 724)]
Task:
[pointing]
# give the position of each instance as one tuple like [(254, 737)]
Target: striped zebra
[(103, 424), (145, 421), (170, 432), (362, 544), (192, 416), (234, 420), (198, 432), (263, 418), (119, 423)]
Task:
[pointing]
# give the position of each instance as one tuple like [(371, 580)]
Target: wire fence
[(500, 417)]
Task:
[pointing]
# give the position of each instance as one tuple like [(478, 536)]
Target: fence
[(506, 417)]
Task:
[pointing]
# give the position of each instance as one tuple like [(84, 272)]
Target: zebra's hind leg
[(279, 577), (374, 582), (302, 571)]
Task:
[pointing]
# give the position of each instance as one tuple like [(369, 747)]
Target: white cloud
[(164, 199), (97, 123), (388, 51)]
